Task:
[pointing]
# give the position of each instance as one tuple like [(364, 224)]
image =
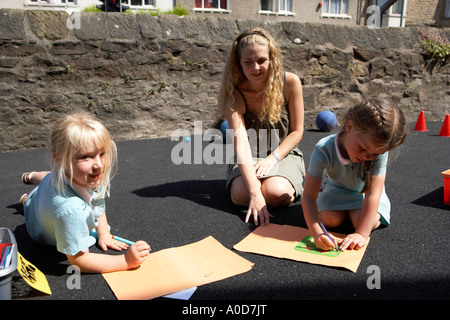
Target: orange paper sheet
[(280, 240), (175, 269)]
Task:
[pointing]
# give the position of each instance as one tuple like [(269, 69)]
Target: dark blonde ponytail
[(383, 120)]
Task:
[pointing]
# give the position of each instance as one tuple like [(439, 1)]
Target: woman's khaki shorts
[(291, 167)]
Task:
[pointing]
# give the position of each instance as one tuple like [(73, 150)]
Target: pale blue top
[(343, 179), (62, 221)]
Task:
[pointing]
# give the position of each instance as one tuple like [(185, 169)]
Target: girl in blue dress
[(67, 208), (347, 172)]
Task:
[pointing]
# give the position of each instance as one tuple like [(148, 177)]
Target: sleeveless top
[(275, 133)]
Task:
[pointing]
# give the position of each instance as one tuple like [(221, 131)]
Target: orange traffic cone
[(445, 130), (420, 124)]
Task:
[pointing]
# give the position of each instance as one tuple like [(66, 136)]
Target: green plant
[(433, 44), (177, 10), (125, 78), (180, 10), (436, 50), (92, 8), (162, 86)]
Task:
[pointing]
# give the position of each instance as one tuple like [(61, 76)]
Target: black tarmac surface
[(170, 205)]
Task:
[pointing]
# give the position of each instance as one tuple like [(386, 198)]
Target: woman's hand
[(258, 209), (263, 167)]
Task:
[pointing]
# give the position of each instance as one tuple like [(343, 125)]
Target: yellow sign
[(32, 275)]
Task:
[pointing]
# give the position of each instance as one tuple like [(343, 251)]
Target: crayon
[(123, 240), (328, 235)]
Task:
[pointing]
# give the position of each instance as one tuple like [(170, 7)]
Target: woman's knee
[(277, 192), (239, 193)]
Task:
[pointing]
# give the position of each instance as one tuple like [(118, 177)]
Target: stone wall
[(146, 76)]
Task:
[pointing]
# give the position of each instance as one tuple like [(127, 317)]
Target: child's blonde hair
[(383, 120), (233, 75), (78, 133)]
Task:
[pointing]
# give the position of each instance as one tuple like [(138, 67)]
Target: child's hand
[(106, 241), (137, 253), (353, 241), (324, 243)]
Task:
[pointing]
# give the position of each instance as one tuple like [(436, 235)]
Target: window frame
[(280, 9), (51, 4), (276, 5), (216, 10), (447, 10), (335, 15), (397, 5), (268, 10), (139, 6)]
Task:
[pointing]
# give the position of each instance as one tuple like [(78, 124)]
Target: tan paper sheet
[(175, 269), (280, 240)]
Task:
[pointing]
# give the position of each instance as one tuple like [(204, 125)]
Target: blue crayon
[(123, 240)]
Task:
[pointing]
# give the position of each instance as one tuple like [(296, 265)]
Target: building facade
[(78, 5), (347, 12)]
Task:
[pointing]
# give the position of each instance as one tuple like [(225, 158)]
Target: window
[(286, 5), (139, 3), (211, 4), (335, 7), (396, 8), (69, 5), (276, 8), (447, 9), (56, 3), (267, 5)]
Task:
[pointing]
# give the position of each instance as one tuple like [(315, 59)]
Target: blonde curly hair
[(233, 75)]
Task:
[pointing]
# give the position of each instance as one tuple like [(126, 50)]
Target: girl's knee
[(355, 217), (332, 219)]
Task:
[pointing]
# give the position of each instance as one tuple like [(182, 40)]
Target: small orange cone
[(420, 124), (445, 130)]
